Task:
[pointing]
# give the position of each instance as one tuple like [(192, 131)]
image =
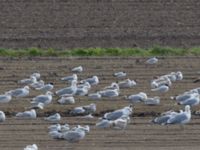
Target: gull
[(91, 108), (70, 78), (92, 81), (5, 98), (37, 84), (89, 116), (46, 87), (120, 123), (74, 136), (162, 120), (2, 116), (181, 118), (36, 75), (172, 76), (162, 81), (78, 69), (77, 111), (53, 118), (85, 84), (152, 101), (86, 128), (127, 83), (59, 127), (45, 99), (113, 86), (119, 74), (196, 90), (55, 127), (94, 96), (31, 147), (124, 112), (31, 114), (104, 123), (65, 128), (68, 90), (152, 61), (82, 91), (66, 100), (137, 97), (182, 97), (179, 76), (109, 93), (161, 89), (55, 134), (20, 92), (36, 106), (87, 109), (28, 81), (192, 101)]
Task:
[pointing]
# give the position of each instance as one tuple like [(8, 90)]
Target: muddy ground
[(140, 134)]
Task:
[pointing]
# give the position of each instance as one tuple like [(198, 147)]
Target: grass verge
[(155, 51)]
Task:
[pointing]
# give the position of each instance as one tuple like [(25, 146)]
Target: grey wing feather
[(41, 99), (3, 97), (17, 92), (161, 120), (72, 136), (189, 102), (177, 119), (114, 115), (24, 114)]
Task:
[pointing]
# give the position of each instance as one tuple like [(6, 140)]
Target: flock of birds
[(118, 119)]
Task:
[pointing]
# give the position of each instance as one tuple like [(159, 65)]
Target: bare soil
[(62, 24)]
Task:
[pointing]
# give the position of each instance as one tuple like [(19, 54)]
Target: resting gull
[(2, 116), (30, 114)]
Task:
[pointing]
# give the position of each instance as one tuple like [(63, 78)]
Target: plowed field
[(140, 134)]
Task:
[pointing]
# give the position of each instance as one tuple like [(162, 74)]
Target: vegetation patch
[(154, 51)]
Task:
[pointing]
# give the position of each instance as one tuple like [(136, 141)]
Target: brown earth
[(140, 134), (64, 24)]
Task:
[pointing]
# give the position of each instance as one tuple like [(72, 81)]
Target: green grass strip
[(155, 51)]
